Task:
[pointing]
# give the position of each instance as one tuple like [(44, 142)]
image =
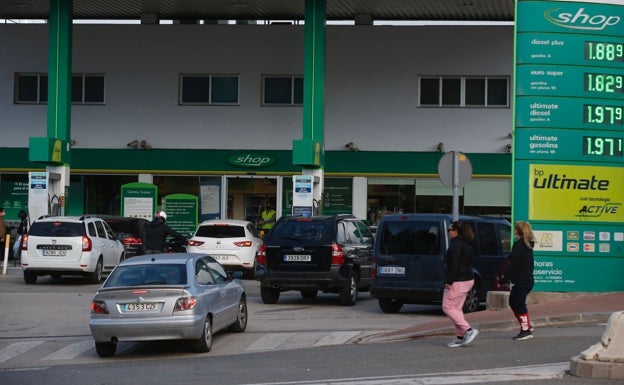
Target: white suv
[(57, 246)]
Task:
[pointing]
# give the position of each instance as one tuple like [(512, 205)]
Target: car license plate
[(146, 306), (297, 258), (220, 257), (396, 270), (54, 253)]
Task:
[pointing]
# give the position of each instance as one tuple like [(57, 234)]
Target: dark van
[(408, 258)]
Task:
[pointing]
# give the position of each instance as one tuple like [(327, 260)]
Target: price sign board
[(568, 140)]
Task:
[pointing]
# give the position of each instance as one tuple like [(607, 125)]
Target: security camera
[(144, 145), (440, 147), (349, 145), (134, 144)]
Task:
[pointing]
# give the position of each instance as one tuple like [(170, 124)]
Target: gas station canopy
[(372, 10)]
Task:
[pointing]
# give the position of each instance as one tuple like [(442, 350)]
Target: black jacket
[(157, 233), (458, 261), (520, 268)]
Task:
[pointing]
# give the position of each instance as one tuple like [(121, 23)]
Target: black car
[(327, 253), (130, 231)]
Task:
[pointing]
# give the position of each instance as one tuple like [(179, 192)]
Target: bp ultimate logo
[(572, 193), (580, 19)]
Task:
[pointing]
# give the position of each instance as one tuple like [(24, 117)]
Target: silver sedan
[(167, 297)]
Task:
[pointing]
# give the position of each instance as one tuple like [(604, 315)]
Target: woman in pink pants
[(458, 280)]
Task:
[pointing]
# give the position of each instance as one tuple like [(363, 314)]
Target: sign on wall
[(568, 141), (182, 212), (139, 200)]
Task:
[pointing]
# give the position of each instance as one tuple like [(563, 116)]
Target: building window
[(33, 88), (282, 90), (464, 91), (209, 89)]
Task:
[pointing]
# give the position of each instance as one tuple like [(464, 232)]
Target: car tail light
[(132, 240), (98, 307), (185, 303), (338, 257), (373, 272), (243, 244), (25, 242), (192, 242), (261, 258), (87, 245)]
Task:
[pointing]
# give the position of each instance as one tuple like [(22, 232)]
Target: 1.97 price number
[(603, 114), (602, 146), (604, 83)]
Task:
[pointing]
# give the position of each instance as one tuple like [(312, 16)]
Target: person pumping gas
[(157, 233)]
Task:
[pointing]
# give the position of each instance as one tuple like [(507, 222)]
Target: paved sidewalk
[(547, 309)]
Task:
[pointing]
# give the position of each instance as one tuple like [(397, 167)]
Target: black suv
[(130, 231), (328, 253)]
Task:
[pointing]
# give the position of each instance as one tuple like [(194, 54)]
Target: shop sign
[(250, 160)]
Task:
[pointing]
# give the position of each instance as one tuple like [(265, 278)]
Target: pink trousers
[(453, 302)]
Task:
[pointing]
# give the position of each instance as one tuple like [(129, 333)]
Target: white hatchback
[(56, 246), (233, 243)]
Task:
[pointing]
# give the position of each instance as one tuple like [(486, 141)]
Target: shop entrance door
[(247, 196)]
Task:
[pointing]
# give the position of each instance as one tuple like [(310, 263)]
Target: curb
[(570, 319)]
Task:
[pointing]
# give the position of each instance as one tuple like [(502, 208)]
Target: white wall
[(371, 85)]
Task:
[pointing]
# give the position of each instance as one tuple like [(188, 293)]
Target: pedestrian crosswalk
[(43, 352)]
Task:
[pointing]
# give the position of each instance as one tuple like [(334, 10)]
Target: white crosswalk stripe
[(71, 351), (16, 349), (79, 349)]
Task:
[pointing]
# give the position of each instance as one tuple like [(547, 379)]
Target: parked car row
[(404, 265), (192, 295)]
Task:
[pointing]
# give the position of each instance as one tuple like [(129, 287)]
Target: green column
[(60, 69), (308, 151), (54, 148)]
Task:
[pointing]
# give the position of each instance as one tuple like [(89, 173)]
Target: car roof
[(437, 217), (225, 221), (116, 217), (162, 258), (70, 218)]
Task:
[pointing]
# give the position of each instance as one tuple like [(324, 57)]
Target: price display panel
[(568, 134)]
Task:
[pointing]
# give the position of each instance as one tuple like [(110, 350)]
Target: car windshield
[(409, 237), (220, 231), (141, 275), (57, 229), (120, 226), (304, 230)]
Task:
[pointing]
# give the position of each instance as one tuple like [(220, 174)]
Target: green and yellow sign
[(568, 141)]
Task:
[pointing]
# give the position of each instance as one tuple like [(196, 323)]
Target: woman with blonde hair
[(520, 273)]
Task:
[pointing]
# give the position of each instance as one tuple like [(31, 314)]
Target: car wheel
[(309, 294), (349, 293), (472, 299), (241, 320), (105, 349), (204, 344), (269, 295), (96, 276), (390, 305), (30, 277)]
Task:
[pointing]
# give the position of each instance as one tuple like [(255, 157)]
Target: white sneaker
[(457, 343), (470, 336)]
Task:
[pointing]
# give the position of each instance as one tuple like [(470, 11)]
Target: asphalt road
[(45, 339)]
